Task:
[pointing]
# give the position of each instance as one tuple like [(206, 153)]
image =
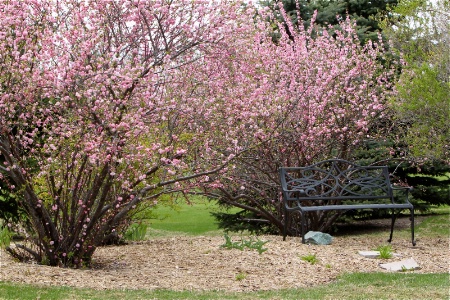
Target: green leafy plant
[(136, 232), (385, 251), (311, 258), (405, 269), (241, 276), (5, 237), (251, 243)]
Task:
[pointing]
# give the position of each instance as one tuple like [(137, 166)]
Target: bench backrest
[(335, 179)]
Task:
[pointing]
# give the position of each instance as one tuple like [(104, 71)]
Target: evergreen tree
[(364, 12)]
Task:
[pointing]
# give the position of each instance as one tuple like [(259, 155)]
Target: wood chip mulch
[(200, 263)]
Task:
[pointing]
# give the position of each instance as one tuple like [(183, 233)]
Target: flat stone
[(318, 238), (403, 265), (374, 254), (369, 254)]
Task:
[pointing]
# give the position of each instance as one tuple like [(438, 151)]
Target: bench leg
[(412, 227), (394, 217), (286, 218), (303, 216)]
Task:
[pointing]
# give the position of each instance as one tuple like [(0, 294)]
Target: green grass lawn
[(433, 224), (349, 286), (183, 218), (437, 224)]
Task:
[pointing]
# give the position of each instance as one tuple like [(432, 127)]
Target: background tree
[(420, 32)]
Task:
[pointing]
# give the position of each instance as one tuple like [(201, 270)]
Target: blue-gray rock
[(318, 238)]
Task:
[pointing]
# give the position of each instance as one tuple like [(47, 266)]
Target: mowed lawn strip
[(349, 286)]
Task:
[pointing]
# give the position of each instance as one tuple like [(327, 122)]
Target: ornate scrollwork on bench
[(333, 184)]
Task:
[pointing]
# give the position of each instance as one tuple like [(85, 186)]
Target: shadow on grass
[(432, 224)]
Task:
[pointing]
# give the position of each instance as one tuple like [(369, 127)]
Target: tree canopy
[(421, 33)]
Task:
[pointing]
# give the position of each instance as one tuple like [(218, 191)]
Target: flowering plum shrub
[(310, 96), (94, 116)]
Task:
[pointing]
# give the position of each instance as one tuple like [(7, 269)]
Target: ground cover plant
[(385, 251), (311, 258), (244, 243), (136, 232), (5, 237)]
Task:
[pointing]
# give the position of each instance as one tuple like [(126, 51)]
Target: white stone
[(369, 254), (374, 254), (403, 265)]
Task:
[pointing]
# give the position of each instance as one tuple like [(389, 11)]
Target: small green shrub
[(311, 258), (241, 276), (136, 232), (5, 237), (242, 244), (385, 251), (405, 269)]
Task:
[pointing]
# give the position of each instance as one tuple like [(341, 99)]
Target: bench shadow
[(368, 226)]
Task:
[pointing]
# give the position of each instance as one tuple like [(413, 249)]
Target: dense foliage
[(421, 33)]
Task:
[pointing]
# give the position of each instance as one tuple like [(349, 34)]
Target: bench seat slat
[(355, 206)]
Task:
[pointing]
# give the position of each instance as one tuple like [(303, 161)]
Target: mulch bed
[(200, 263)]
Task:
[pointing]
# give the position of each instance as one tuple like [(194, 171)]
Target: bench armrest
[(405, 189), (400, 188)]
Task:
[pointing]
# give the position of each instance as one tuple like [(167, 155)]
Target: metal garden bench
[(338, 184)]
